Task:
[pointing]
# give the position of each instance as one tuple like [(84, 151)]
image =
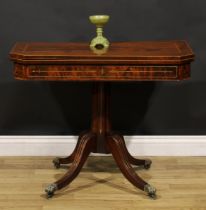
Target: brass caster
[(150, 190), (147, 164), (50, 189), (56, 163)]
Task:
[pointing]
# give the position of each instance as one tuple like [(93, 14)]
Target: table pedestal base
[(101, 139)]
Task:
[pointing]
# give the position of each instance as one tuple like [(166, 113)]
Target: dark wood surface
[(157, 52), (110, 72), (126, 61)]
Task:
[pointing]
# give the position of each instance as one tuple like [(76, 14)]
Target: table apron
[(101, 72)]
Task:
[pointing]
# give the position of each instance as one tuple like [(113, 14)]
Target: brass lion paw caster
[(50, 189), (150, 190), (147, 164), (56, 163)]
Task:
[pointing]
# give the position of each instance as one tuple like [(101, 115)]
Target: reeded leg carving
[(138, 162), (85, 146), (119, 152), (67, 160)]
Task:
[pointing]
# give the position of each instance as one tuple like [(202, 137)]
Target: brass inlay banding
[(102, 77), (102, 72), (39, 71)]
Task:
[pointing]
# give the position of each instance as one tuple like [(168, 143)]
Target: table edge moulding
[(122, 61)]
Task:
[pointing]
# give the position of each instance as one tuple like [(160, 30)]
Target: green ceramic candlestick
[(99, 42)]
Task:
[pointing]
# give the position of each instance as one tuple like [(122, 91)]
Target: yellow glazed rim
[(99, 19)]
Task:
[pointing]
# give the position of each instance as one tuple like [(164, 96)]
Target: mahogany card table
[(123, 61)]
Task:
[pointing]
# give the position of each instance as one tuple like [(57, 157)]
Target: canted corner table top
[(131, 52), (123, 61)]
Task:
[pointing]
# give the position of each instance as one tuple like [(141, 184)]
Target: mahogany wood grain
[(148, 52), (101, 124), (119, 152), (69, 159), (83, 150), (124, 61), (138, 162), (101, 72)]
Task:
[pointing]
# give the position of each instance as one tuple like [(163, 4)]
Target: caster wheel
[(50, 190), (147, 164), (56, 163), (151, 191)]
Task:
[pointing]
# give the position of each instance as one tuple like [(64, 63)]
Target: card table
[(122, 61)]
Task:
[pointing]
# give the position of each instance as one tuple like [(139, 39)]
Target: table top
[(123, 61), (147, 52)]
